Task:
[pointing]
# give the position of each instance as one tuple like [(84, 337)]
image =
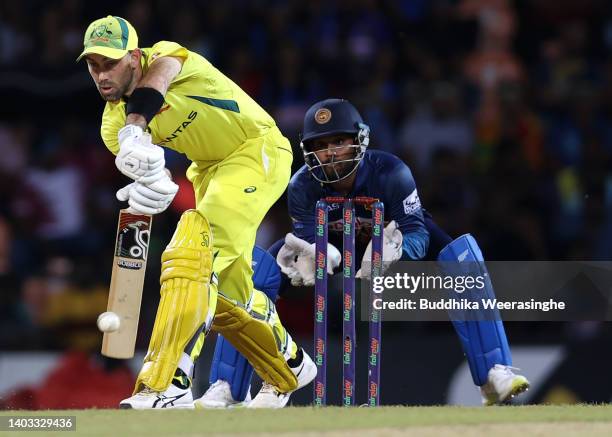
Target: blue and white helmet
[(333, 117)]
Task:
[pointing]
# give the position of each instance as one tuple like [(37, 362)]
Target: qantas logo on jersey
[(181, 128)]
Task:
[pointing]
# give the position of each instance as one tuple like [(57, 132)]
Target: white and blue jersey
[(380, 175)]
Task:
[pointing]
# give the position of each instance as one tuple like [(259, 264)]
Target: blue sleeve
[(404, 207), (301, 211)]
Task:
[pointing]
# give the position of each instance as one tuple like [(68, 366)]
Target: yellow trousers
[(235, 195)]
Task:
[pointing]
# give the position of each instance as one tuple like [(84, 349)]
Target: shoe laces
[(217, 386), (147, 391), (268, 388), (507, 369)]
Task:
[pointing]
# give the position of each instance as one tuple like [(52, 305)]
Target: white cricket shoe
[(219, 395), (269, 397), (502, 385), (147, 399)]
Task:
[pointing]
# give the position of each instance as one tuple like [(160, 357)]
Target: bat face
[(127, 281)]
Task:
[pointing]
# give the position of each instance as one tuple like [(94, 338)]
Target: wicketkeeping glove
[(392, 250), (296, 259)]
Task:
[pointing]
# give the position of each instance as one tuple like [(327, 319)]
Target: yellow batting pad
[(186, 303), (252, 335)]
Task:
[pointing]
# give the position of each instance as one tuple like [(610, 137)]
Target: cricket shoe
[(147, 399), (502, 385), (219, 395), (304, 370)]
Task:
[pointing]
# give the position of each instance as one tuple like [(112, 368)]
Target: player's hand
[(296, 259), (138, 158), (392, 251), (149, 199)]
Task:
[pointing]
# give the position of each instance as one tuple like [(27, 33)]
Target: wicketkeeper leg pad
[(187, 301), (484, 341), (258, 336)]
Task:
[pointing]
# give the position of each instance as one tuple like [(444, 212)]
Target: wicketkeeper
[(338, 163)]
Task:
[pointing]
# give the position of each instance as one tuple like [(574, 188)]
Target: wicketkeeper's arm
[(404, 207)]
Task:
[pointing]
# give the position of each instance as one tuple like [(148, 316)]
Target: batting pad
[(187, 301), (484, 341), (255, 338)]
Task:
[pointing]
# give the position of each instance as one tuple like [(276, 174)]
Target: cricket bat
[(127, 281)]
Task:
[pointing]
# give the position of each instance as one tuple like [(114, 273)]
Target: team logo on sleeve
[(164, 108), (412, 203)]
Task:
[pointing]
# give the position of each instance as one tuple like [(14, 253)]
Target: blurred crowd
[(501, 108)]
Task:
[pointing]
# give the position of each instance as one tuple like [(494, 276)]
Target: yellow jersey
[(205, 115)]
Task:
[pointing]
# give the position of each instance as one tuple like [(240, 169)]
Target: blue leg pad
[(228, 364), (484, 341)]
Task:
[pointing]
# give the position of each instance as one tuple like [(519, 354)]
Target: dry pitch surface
[(523, 421)]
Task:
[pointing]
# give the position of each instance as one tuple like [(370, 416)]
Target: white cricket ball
[(108, 322)]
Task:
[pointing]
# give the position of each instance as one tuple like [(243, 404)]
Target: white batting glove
[(138, 158), (149, 199), (296, 259), (392, 251)]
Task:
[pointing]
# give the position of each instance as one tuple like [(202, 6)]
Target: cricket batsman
[(338, 163), (169, 96)]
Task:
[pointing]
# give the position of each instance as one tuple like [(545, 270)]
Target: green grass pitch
[(522, 421)]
